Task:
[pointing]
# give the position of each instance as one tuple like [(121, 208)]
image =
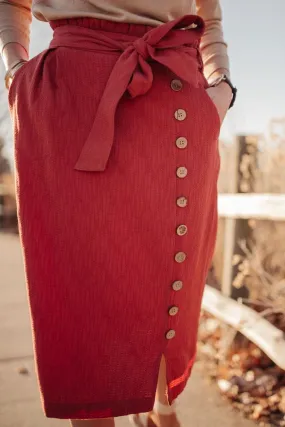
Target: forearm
[(15, 21), (213, 46)]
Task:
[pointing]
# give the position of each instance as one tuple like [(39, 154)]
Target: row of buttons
[(181, 230)]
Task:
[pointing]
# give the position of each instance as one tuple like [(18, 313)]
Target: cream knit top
[(16, 16)]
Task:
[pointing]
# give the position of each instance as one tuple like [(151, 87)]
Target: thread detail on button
[(177, 285), (181, 230), (182, 202), (181, 142), (180, 257), (181, 172), (170, 334), (173, 310), (176, 85), (180, 114)]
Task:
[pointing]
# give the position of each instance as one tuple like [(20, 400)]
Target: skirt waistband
[(137, 30), (174, 45)]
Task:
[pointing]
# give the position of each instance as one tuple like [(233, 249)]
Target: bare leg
[(98, 422), (162, 397), (161, 389)]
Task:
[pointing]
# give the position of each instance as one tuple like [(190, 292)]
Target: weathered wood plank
[(247, 321), (252, 205)]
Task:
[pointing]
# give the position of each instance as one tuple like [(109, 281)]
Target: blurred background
[(241, 349)]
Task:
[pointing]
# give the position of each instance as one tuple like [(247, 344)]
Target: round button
[(177, 285), (181, 142), (181, 172), (176, 85), (180, 256), (182, 202), (173, 310), (180, 114), (181, 230), (170, 334)]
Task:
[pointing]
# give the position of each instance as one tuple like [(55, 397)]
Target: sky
[(255, 33)]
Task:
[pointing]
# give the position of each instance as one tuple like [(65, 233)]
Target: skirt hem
[(89, 411)]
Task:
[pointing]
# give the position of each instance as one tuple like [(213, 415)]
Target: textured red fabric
[(99, 246), (132, 73)]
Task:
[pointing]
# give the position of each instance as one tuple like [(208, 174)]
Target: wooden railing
[(233, 207), (252, 205)]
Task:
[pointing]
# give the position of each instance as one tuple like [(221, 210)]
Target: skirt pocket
[(213, 108), (34, 65), (18, 73)]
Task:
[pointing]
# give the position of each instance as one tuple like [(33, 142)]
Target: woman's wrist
[(220, 81), (226, 88)]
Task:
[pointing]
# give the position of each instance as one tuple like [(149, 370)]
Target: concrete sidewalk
[(200, 405)]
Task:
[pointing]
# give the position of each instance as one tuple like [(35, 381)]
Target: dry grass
[(262, 265)]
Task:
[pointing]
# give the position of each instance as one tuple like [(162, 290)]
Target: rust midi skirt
[(117, 160)]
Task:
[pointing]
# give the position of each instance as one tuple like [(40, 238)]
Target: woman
[(116, 129)]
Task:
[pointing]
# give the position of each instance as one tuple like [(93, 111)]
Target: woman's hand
[(11, 74), (16, 68), (221, 96)]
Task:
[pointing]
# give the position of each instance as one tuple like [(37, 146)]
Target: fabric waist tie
[(174, 44)]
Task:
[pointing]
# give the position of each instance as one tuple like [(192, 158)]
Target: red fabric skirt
[(115, 256)]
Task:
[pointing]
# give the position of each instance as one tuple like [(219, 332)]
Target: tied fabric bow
[(170, 44)]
